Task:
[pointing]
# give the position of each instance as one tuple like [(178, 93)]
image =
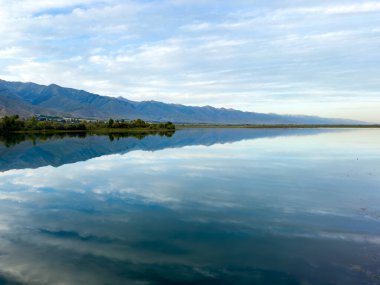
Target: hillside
[(27, 99)]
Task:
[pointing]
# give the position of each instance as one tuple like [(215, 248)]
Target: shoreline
[(94, 131), (193, 126)]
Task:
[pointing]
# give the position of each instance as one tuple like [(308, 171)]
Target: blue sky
[(290, 57)]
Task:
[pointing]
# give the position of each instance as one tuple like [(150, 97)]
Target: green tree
[(31, 123), (110, 123)]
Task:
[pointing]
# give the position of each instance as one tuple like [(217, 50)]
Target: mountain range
[(28, 99)]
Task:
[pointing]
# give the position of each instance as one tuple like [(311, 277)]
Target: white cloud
[(365, 7), (145, 50), (10, 52)]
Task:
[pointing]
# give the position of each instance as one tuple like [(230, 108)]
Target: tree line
[(15, 123)]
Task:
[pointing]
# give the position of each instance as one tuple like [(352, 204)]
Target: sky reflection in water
[(200, 207)]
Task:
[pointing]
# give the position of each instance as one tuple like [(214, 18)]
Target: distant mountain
[(28, 99)]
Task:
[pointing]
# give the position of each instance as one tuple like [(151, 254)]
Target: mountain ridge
[(27, 99)]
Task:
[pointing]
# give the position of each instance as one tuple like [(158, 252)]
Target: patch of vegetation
[(12, 124)]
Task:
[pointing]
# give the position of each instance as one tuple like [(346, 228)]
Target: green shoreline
[(194, 126), (17, 125), (94, 131)]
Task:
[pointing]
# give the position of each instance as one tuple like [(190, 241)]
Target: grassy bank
[(15, 124), (94, 131)]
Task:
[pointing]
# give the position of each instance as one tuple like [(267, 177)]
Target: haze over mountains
[(28, 99)]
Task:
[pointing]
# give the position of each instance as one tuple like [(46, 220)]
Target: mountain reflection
[(19, 151), (284, 207)]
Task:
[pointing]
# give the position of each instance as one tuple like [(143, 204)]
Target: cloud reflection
[(255, 211)]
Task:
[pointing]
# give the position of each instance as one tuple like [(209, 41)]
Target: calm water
[(197, 207)]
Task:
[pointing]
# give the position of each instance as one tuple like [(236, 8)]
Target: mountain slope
[(26, 99), (11, 103)]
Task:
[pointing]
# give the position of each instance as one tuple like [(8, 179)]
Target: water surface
[(218, 206)]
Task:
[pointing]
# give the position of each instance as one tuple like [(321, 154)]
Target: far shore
[(279, 126)]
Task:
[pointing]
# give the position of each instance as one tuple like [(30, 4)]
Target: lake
[(200, 206)]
